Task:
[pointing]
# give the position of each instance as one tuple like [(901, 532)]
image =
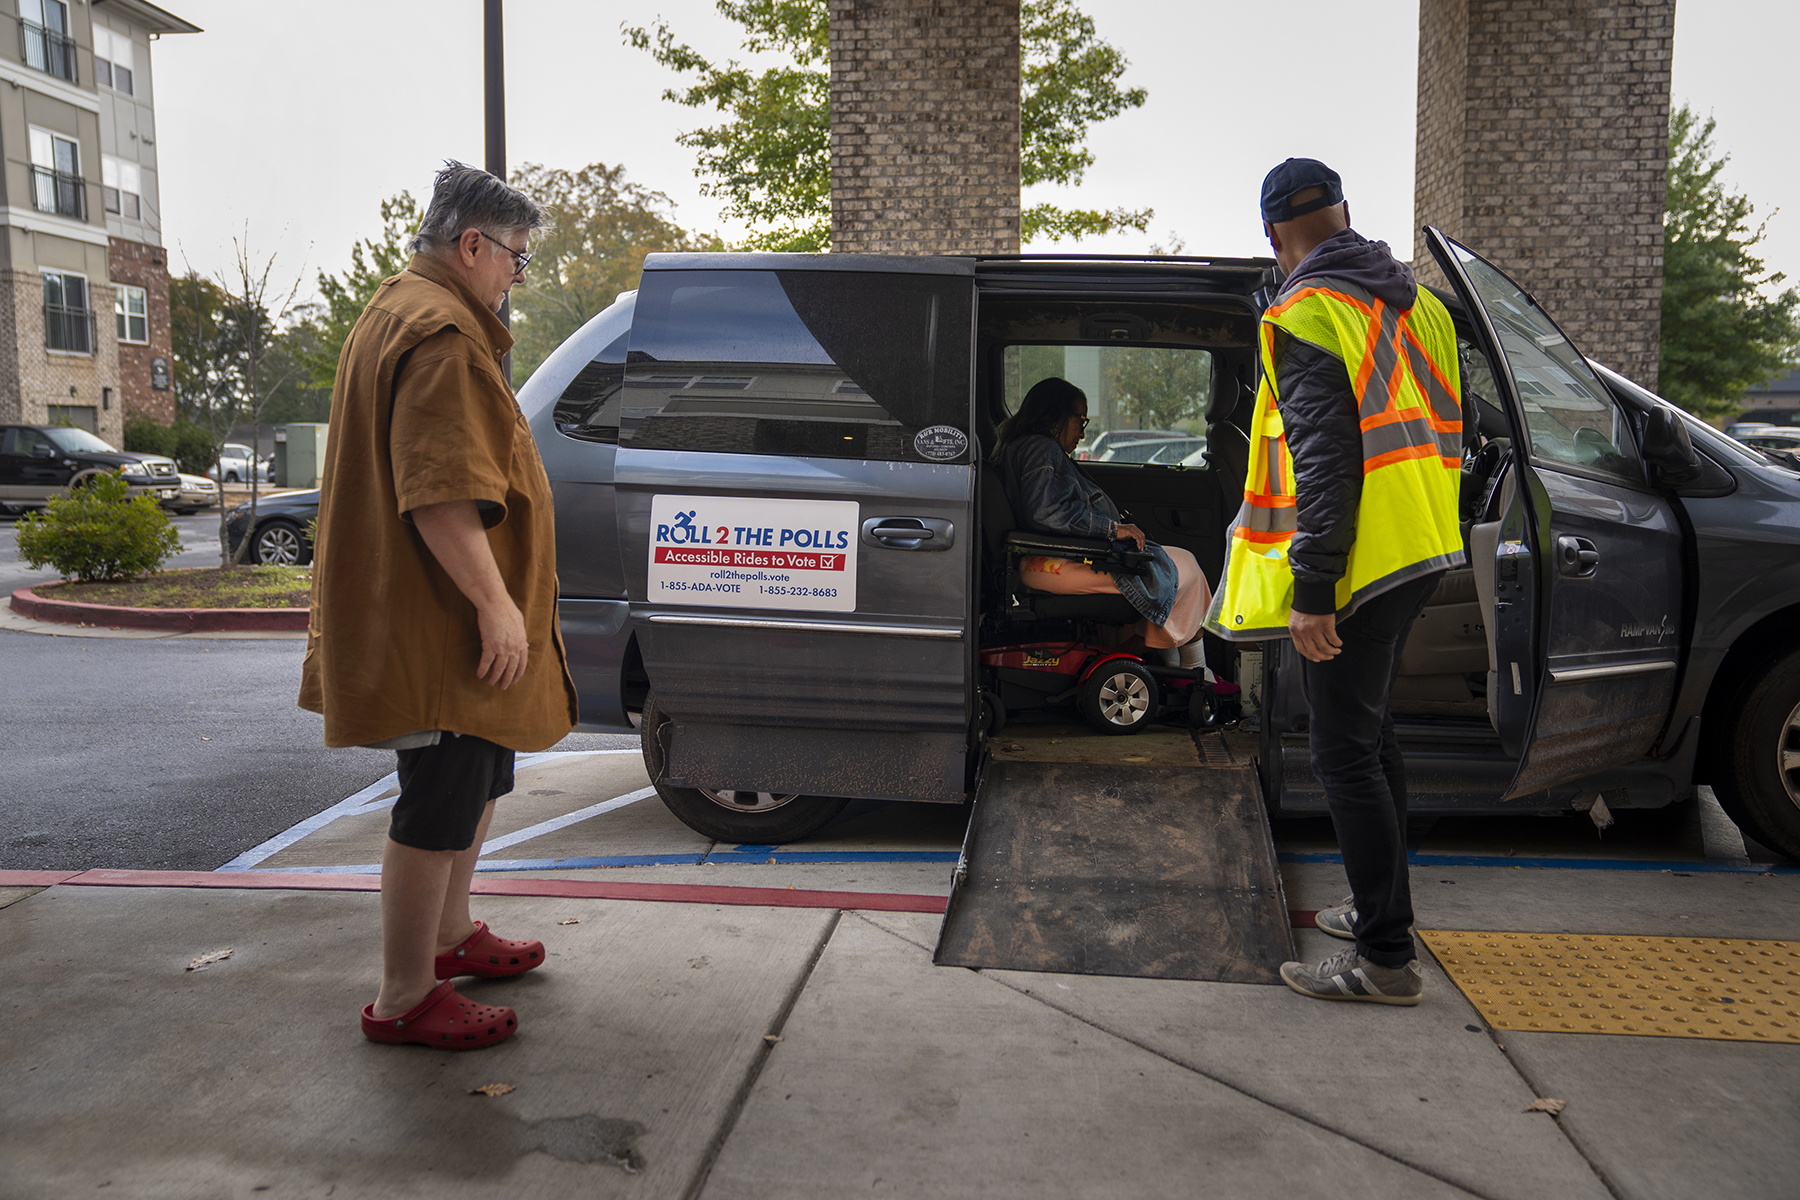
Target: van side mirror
[(1669, 449)]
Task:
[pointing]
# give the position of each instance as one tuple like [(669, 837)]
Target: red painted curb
[(489, 885), (27, 603)]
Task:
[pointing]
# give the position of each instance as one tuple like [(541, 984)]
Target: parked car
[(38, 462), (1166, 450), (781, 553), (1740, 428), (1782, 445), (1107, 439), (197, 492), (281, 536), (237, 463)]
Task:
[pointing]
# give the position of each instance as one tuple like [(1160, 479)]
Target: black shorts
[(444, 788)]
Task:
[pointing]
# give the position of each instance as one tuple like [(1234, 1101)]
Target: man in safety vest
[(1349, 520)]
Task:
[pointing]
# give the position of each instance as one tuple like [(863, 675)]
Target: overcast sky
[(297, 120)]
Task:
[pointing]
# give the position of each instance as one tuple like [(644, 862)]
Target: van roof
[(1243, 275)]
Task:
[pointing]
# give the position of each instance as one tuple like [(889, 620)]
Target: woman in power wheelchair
[(1049, 494)]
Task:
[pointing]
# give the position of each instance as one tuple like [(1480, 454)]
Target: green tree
[(601, 227), (371, 261), (1722, 329), (205, 340), (771, 161)]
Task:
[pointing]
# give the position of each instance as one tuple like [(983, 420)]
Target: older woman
[(1049, 494)]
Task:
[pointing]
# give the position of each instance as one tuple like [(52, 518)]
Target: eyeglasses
[(1084, 423), (519, 260)]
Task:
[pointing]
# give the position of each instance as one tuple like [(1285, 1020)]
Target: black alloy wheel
[(1756, 761), (728, 814), (1121, 697)]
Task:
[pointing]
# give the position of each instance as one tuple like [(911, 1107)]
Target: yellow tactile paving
[(1740, 991)]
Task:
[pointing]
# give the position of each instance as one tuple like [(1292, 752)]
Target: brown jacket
[(420, 414)]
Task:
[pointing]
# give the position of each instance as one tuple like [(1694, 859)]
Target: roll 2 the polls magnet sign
[(745, 552)]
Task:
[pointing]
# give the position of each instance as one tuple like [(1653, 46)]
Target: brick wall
[(925, 127), (144, 266), (1543, 145), (45, 377)]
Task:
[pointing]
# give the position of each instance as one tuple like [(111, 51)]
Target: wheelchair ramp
[(1157, 871)]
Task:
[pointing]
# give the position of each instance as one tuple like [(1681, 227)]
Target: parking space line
[(563, 822)]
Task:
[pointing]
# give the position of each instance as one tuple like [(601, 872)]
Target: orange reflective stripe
[(1264, 500), (1402, 455), (1263, 537), (1281, 307)]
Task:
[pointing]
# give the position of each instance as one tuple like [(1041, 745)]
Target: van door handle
[(1577, 557), (908, 533)]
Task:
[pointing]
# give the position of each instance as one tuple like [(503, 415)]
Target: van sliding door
[(794, 484)]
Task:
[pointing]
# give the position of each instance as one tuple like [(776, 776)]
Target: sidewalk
[(792, 1047)]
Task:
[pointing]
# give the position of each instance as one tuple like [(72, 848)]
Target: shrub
[(194, 449), (144, 436), (99, 531)]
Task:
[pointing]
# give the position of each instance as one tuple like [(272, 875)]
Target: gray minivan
[(782, 551)]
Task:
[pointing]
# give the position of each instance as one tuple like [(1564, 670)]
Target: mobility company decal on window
[(744, 552)]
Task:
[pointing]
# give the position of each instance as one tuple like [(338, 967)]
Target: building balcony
[(48, 51), (59, 192)]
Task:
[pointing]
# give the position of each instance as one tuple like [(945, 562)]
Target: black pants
[(1357, 762)]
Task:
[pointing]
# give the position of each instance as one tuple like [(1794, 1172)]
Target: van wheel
[(727, 814), (1756, 766), (1120, 697)]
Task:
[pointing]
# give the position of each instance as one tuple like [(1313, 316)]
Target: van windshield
[(1145, 404)]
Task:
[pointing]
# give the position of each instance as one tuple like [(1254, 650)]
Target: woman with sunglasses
[(1049, 494)]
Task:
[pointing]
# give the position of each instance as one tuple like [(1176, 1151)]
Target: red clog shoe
[(489, 956), (445, 1020)]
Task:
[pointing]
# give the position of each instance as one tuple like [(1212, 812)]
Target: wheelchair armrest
[(1102, 554)]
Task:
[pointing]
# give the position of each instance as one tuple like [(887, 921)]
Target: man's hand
[(1129, 533), (1315, 635), (454, 534)]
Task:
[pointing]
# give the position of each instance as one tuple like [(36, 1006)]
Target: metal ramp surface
[(1159, 871)]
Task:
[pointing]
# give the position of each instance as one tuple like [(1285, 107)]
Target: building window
[(132, 307), (77, 416), (112, 60), (120, 186), (68, 321), (56, 183), (44, 37)]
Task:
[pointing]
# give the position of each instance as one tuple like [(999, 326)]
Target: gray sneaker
[(1347, 975), (1339, 920)]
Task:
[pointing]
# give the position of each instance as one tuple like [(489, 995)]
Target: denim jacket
[(1049, 494)]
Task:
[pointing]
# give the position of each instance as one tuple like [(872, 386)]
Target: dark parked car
[(38, 462), (282, 521), (1782, 445), (781, 546)]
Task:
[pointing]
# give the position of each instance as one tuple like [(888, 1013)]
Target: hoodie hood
[(1353, 258)]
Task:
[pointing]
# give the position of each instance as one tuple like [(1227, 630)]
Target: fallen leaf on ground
[(492, 1089), (792, 886), (570, 921), (206, 739), (207, 960), (1546, 1106), (771, 1038)]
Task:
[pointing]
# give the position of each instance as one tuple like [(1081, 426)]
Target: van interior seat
[(997, 520)]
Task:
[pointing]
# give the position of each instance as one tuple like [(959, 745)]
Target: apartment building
[(84, 288)]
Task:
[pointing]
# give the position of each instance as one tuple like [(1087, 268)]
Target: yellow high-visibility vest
[(1403, 369)]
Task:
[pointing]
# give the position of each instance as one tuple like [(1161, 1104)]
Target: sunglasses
[(519, 260)]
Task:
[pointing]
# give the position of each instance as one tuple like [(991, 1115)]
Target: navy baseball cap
[(1296, 175)]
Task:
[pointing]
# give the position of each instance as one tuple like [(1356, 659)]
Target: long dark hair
[(1049, 402)]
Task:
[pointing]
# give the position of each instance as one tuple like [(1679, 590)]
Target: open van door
[(795, 484), (1580, 569)]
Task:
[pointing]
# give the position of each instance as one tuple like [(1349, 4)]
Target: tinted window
[(589, 407), (824, 364), (76, 440), (1571, 417)]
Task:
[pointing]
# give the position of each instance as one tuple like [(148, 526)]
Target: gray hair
[(464, 198)]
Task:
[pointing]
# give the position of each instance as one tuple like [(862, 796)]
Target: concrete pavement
[(644, 1065)]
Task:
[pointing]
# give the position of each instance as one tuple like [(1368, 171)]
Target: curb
[(28, 603)]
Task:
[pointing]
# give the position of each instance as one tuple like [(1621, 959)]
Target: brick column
[(1543, 145), (925, 127)]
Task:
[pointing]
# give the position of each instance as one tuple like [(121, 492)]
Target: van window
[(818, 364), (1145, 405), (589, 407)]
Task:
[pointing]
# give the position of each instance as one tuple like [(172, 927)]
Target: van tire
[(775, 820), (1756, 764)]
